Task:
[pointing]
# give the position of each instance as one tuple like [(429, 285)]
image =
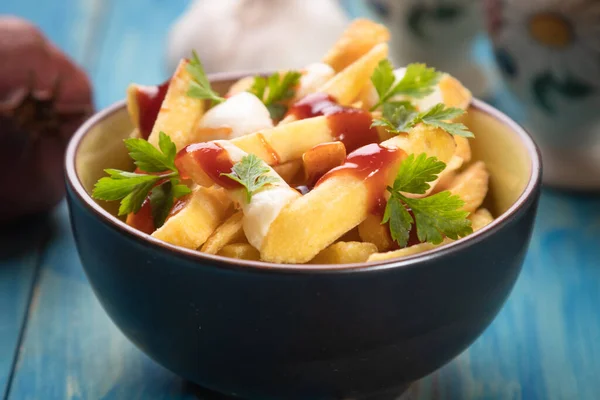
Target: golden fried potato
[(350, 236), (289, 171), (202, 214), (321, 216), (480, 219), (242, 251), (179, 113), (345, 253), (407, 251), (454, 94), (229, 232), (242, 85), (360, 37), (373, 231), (347, 84), (471, 185), (133, 108), (322, 158)]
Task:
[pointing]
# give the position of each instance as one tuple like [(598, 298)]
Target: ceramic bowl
[(270, 331)]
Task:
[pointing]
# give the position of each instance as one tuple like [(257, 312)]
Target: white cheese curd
[(243, 113), (315, 75), (266, 204)]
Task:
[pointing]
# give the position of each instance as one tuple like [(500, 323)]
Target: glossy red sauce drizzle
[(212, 159), (143, 219), (351, 126), (149, 99), (179, 205), (374, 164)]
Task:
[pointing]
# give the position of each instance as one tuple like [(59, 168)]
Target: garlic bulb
[(234, 35)]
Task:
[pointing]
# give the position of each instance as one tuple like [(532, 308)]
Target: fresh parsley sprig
[(274, 90), (400, 117), (417, 82), (436, 216), (251, 173), (200, 86), (161, 183)]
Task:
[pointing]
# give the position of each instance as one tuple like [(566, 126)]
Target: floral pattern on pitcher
[(547, 49)]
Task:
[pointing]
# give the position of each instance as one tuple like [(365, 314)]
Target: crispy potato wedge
[(373, 231), (230, 231), (322, 158), (289, 171), (243, 85), (133, 108), (407, 251), (480, 219), (348, 83), (204, 212), (321, 216), (242, 251), (345, 253), (179, 114), (360, 37), (454, 94), (471, 185)]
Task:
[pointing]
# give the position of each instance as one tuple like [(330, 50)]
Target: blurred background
[(56, 341)]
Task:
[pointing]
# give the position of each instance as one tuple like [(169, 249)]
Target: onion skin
[(44, 98)]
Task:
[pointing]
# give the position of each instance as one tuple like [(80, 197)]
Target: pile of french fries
[(330, 224)]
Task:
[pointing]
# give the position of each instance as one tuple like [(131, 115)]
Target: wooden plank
[(545, 343), (21, 246), (134, 46)]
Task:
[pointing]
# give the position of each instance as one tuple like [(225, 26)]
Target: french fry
[(179, 113), (322, 158), (242, 85), (471, 186), (350, 236), (242, 251), (133, 108), (289, 171), (203, 213), (348, 83), (480, 219), (360, 37), (321, 216), (407, 251), (373, 231), (345, 253), (229, 232)]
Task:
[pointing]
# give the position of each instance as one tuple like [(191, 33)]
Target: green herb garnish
[(418, 81), (400, 117), (200, 86), (162, 186), (274, 90), (436, 216), (251, 172)]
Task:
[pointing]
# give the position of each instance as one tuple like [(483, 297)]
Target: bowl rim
[(527, 196)]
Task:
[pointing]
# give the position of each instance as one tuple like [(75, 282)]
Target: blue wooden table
[(56, 342)]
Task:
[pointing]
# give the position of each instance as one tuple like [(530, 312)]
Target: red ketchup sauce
[(143, 219), (374, 164), (211, 158), (351, 126), (150, 99)]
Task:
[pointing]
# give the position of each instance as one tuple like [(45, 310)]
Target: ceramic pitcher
[(548, 52)]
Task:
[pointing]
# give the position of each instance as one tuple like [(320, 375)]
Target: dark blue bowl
[(269, 331)]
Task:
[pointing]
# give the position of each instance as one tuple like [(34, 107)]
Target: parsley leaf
[(436, 216), (274, 90), (251, 172), (133, 188), (200, 86), (401, 117), (417, 82)]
